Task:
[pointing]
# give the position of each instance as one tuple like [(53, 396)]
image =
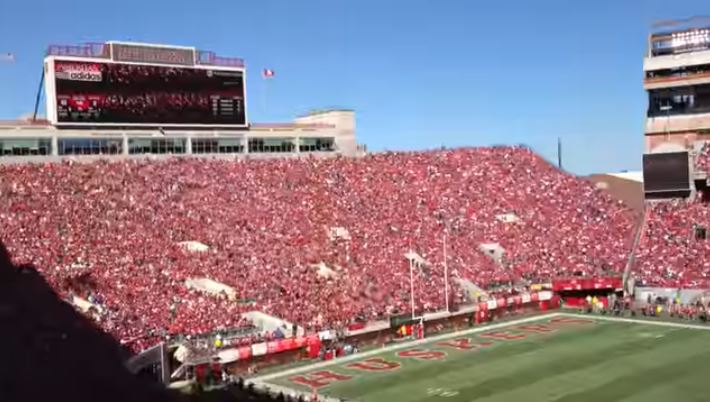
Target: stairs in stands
[(631, 260)]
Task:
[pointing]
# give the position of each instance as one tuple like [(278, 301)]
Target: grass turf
[(598, 361)]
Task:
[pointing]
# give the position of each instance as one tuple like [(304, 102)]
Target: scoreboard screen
[(89, 92), (666, 172)]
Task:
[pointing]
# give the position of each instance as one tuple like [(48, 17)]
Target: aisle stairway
[(638, 239)]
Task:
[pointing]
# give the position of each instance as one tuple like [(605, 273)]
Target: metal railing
[(93, 50), (102, 51), (631, 260)]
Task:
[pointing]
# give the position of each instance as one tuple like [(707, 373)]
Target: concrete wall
[(683, 139), (336, 124), (344, 123), (686, 295), (676, 60), (91, 158), (674, 82), (628, 191), (680, 123)]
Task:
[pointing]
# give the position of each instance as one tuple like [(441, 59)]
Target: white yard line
[(390, 348), (637, 321)]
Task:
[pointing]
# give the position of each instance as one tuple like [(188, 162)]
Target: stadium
[(283, 261)]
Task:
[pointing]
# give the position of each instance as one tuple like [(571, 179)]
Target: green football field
[(559, 358)]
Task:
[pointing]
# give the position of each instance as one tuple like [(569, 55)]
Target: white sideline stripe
[(358, 356), (637, 321)]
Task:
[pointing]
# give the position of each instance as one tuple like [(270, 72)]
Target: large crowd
[(674, 248), (109, 232)]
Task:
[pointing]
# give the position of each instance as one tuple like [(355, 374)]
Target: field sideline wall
[(687, 296), (386, 336)]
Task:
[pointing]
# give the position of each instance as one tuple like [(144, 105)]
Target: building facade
[(323, 133), (677, 81), (123, 100)]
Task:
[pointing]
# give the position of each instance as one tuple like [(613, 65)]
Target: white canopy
[(212, 287), (416, 258), (508, 218), (324, 271), (194, 246)]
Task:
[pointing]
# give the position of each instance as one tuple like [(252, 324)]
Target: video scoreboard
[(137, 85), (666, 172)]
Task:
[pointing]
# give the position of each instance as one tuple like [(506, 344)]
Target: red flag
[(267, 73)]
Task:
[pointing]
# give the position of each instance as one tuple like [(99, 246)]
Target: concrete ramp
[(324, 271), (471, 289), (270, 323), (194, 246), (493, 251), (211, 287)]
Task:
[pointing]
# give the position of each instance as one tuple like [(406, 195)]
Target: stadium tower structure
[(120, 99), (677, 80)]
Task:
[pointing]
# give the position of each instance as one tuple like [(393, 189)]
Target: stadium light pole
[(411, 281), (446, 275), (38, 96)]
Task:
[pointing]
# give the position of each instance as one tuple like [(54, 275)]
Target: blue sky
[(419, 73)]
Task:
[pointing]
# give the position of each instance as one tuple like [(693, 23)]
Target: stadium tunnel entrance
[(588, 292)]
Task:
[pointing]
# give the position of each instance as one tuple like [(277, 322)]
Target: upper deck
[(678, 54)]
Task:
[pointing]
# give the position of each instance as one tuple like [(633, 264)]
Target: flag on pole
[(7, 57), (267, 73)]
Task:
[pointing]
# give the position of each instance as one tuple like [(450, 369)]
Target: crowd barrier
[(283, 351), (596, 283), (311, 342)]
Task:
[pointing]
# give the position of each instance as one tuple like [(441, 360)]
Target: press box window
[(23, 146), (217, 145), (271, 145), (316, 145), (90, 146), (156, 146)]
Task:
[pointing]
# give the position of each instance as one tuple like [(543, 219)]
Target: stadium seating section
[(672, 252), (702, 163), (109, 232)]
